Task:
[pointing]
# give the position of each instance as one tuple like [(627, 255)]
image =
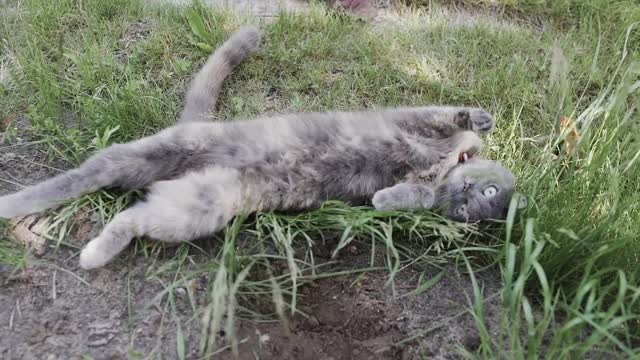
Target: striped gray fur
[(201, 174)]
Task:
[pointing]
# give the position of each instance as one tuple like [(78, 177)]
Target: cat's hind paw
[(92, 256), (8, 208), (476, 119)]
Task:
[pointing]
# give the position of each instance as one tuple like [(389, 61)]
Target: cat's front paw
[(383, 200), (403, 197), (476, 119)]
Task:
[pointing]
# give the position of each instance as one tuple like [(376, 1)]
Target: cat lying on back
[(201, 174)]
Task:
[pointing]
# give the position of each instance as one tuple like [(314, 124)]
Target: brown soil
[(23, 161), (54, 310)]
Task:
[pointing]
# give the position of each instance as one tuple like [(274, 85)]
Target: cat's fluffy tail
[(206, 84)]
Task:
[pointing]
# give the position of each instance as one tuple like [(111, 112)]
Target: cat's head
[(478, 189)]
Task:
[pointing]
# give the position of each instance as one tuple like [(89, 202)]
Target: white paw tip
[(5, 213), (91, 257)]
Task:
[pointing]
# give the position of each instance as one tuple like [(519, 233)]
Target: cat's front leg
[(404, 196), (443, 121)]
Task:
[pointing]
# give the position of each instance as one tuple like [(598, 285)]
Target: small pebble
[(8, 157), (313, 321)]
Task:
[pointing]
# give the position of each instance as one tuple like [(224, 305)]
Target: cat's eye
[(489, 192), (460, 210)]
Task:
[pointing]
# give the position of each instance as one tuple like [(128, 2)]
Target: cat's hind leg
[(128, 166), (194, 206)]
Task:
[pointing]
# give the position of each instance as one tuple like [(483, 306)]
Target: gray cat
[(201, 174)]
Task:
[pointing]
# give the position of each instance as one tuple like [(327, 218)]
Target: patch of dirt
[(54, 310), (357, 317), (23, 161), (136, 32)]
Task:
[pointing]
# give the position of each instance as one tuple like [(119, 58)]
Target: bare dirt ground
[(52, 309)]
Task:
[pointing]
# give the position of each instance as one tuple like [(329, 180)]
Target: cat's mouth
[(464, 156)]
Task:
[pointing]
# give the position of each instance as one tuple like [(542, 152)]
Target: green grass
[(11, 254), (562, 13), (568, 264)]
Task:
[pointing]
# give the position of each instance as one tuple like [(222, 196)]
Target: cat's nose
[(467, 185)]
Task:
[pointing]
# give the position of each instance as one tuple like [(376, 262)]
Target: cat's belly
[(309, 185)]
